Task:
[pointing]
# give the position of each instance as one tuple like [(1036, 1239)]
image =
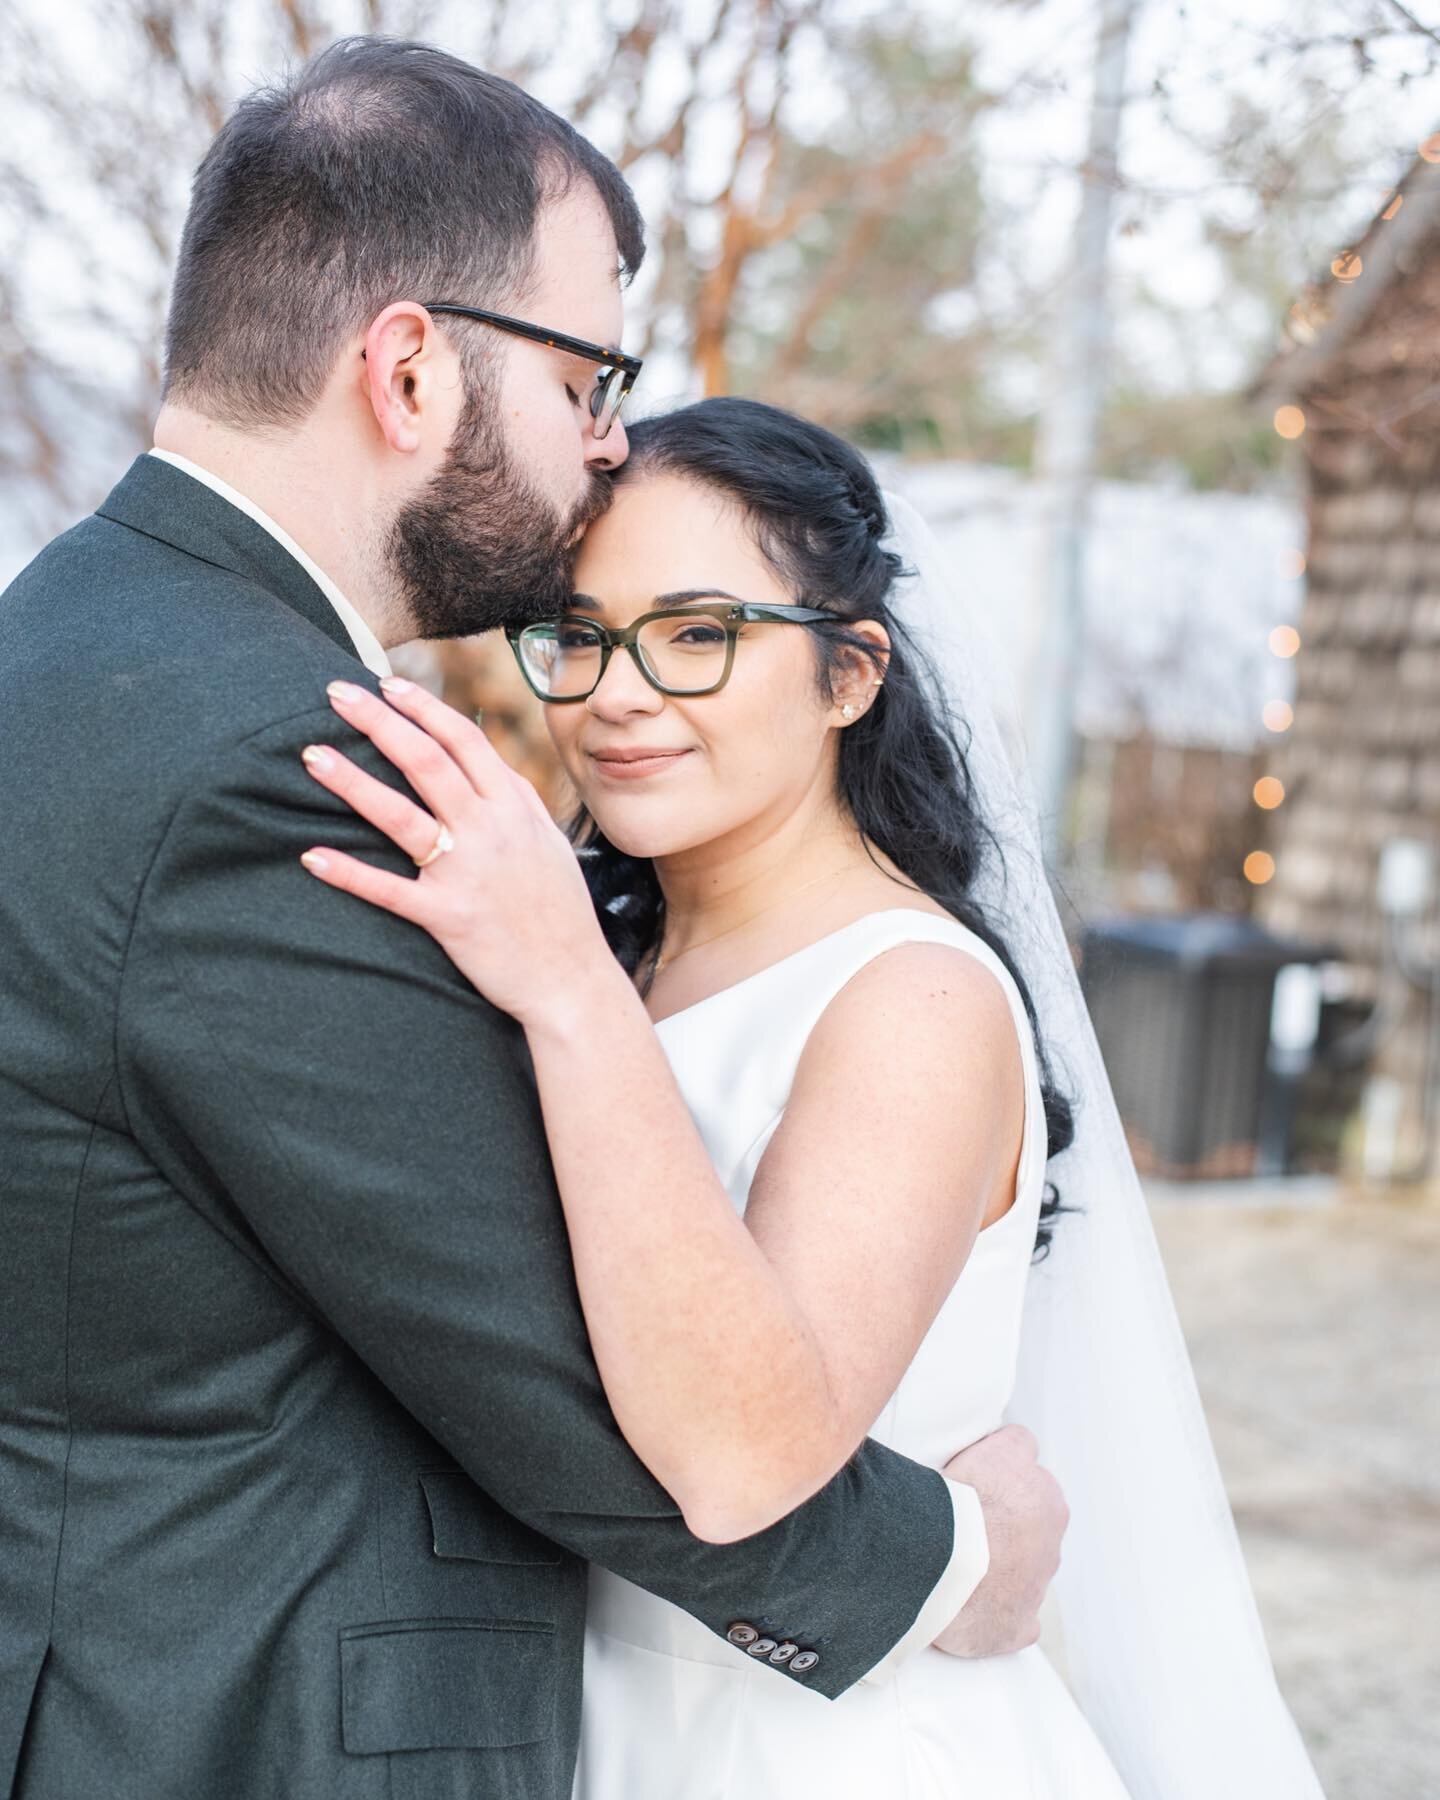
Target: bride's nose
[(623, 691)]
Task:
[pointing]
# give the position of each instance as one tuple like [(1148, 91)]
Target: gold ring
[(444, 843)]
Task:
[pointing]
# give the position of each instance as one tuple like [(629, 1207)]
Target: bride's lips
[(634, 762)]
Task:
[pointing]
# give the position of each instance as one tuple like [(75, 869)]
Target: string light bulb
[(1269, 792)]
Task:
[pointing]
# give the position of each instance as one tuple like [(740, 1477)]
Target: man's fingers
[(1011, 1446)]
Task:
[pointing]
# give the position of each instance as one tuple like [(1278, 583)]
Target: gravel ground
[(1315, 1329)]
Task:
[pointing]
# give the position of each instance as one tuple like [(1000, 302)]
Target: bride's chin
[(644, 845), (645, 839)]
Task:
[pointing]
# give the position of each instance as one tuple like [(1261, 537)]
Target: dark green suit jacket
[(302, 1448)]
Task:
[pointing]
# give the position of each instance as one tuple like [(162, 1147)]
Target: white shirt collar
[(367, 646)]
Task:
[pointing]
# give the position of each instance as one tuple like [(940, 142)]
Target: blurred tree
[(1273, 178), (831, 262), (825, 227), (865, 312), (1270, 197), (103, 123)]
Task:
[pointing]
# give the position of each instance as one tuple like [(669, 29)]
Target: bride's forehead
[(663, 536), (664, 507)]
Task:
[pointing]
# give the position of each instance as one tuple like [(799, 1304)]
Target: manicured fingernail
[(396, 684), (317, 758), (345, 693), (315, 862)]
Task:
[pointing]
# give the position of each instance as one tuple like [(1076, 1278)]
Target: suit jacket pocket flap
[(445, 1684), (468, 1523)]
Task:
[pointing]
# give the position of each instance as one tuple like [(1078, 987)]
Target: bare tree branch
[(1414, 23)]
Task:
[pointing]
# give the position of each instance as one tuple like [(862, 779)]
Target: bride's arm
[(744, 1360), (745, 1365)]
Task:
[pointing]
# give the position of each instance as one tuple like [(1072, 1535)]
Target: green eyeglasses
[(683, 650)]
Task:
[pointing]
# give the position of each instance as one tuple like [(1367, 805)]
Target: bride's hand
[(508, 903)]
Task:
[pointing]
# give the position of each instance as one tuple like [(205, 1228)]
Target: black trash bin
[(1182, 1010)]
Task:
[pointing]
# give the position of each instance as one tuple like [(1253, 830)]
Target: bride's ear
[(857, 675)]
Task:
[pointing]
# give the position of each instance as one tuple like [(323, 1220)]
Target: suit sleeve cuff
[(969, 1559)]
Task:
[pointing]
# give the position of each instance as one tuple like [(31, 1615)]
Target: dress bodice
[(672, 1712)]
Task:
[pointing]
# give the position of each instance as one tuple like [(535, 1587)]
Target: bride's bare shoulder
[(924, 1010), (915, 1068), (933, 974)]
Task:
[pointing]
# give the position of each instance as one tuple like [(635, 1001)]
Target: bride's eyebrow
[(681, 597), (685, 595)]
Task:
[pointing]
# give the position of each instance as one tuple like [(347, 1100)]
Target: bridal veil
[(1162, 1643)]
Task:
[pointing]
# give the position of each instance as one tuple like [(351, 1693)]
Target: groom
[(302, 1450)]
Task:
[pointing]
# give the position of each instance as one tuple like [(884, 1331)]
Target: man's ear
[(400, 353)]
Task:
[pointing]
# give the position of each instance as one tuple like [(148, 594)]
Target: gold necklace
[(663, 962)]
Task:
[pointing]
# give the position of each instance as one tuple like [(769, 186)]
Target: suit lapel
[(164, 502)]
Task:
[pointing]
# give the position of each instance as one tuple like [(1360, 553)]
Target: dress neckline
[(781, 962)]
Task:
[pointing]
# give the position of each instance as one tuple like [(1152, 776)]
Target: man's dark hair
[(380, 171)]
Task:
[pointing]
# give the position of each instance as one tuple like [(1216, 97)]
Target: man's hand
[(1025, 1519)]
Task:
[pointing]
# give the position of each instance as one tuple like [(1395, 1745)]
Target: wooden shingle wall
[(1361, 763)]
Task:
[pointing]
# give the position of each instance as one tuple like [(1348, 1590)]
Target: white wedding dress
[(673, 1713)]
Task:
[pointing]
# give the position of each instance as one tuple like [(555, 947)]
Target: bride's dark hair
[(818, 517)]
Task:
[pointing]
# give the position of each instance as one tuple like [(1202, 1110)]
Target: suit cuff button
[(803, 1662), (783, 1652), (742, 1635), (761, 1647)]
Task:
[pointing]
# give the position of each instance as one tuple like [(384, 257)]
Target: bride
[(796, 1011)]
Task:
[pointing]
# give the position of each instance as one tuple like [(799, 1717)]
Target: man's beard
[(480, 546)]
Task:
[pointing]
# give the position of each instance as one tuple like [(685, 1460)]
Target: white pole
[(1065, 446)]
